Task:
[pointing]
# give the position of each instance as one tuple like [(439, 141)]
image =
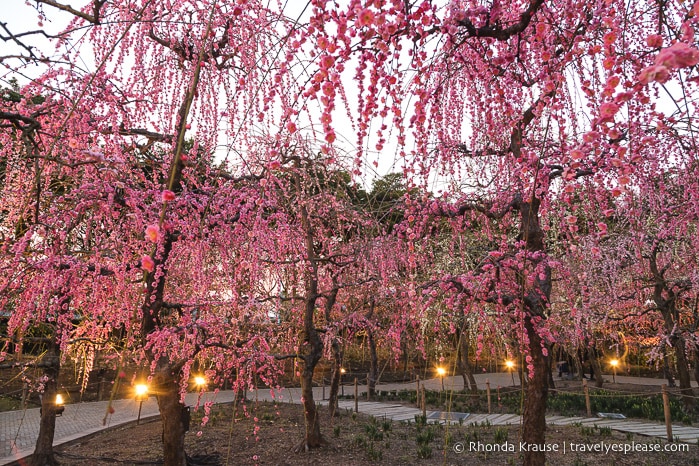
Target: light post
[(342, 380), (441, 372), (614, 363), (141, 391), (510, 367), (59, 404)]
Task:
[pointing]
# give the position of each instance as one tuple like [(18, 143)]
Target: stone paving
[(19, 429)]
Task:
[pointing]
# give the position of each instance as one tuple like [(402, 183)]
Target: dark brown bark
[(683, 372), (534, 416), (335, 378), (310, 346), (534, 305), (173, 414), (596, 368), (696, 363), (43, 451), (310, 351), (463, 366)]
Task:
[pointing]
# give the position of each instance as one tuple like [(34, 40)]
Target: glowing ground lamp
[(441, 372), (141, 391), (510, 368), (200, 382), (342, 380), (60, 404), (614, 363)]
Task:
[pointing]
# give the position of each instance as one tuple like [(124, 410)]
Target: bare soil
[(267, 433)]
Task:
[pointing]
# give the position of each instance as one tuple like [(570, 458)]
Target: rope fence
[(647, 402)]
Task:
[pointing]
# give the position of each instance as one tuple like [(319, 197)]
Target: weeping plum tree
[(57, 228), (187, 71), (315, 250)]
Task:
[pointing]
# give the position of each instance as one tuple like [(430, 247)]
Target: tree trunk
[(534, 416), (174, 416), (43, 451), (335, 378), (373, 365), (312, 438), (696, 363), (683, 372), (462, 363), (667, 370), (534, 306), (596, 368)]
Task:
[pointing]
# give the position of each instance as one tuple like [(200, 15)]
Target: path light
[(342, 381), (614, 363), (441, 372), (59, 404), (510, 368), (200, 382), (141, 391)]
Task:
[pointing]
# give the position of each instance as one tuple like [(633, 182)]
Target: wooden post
[(487, 391), (356, 396), (424, 402), (323, 388), (100, 389), (666, 408), (367, 388), (586, 390), (417, 392)]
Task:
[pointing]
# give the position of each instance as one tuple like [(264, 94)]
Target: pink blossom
[(654, 40), (653, 73), (291, 127), (326, 62), (274, 165), (365, 18), (607, 110), (572, 219), (577, 154), (153, 233), (147, 264), (168, 195), (678, 55)]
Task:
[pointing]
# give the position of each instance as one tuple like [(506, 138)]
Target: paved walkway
[(19, 429)]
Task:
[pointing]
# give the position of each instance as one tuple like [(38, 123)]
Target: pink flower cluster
[(678, 55)]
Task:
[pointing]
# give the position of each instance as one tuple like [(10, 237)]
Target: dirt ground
[(267, 435)]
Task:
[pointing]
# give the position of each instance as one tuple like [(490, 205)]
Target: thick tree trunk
[(312, 437), (596, 368), (174, 416), (534, 306), (534, 416), (335, 378), (462, 363), (667, 371), (683, 372), (43, 451), (696, 362)]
